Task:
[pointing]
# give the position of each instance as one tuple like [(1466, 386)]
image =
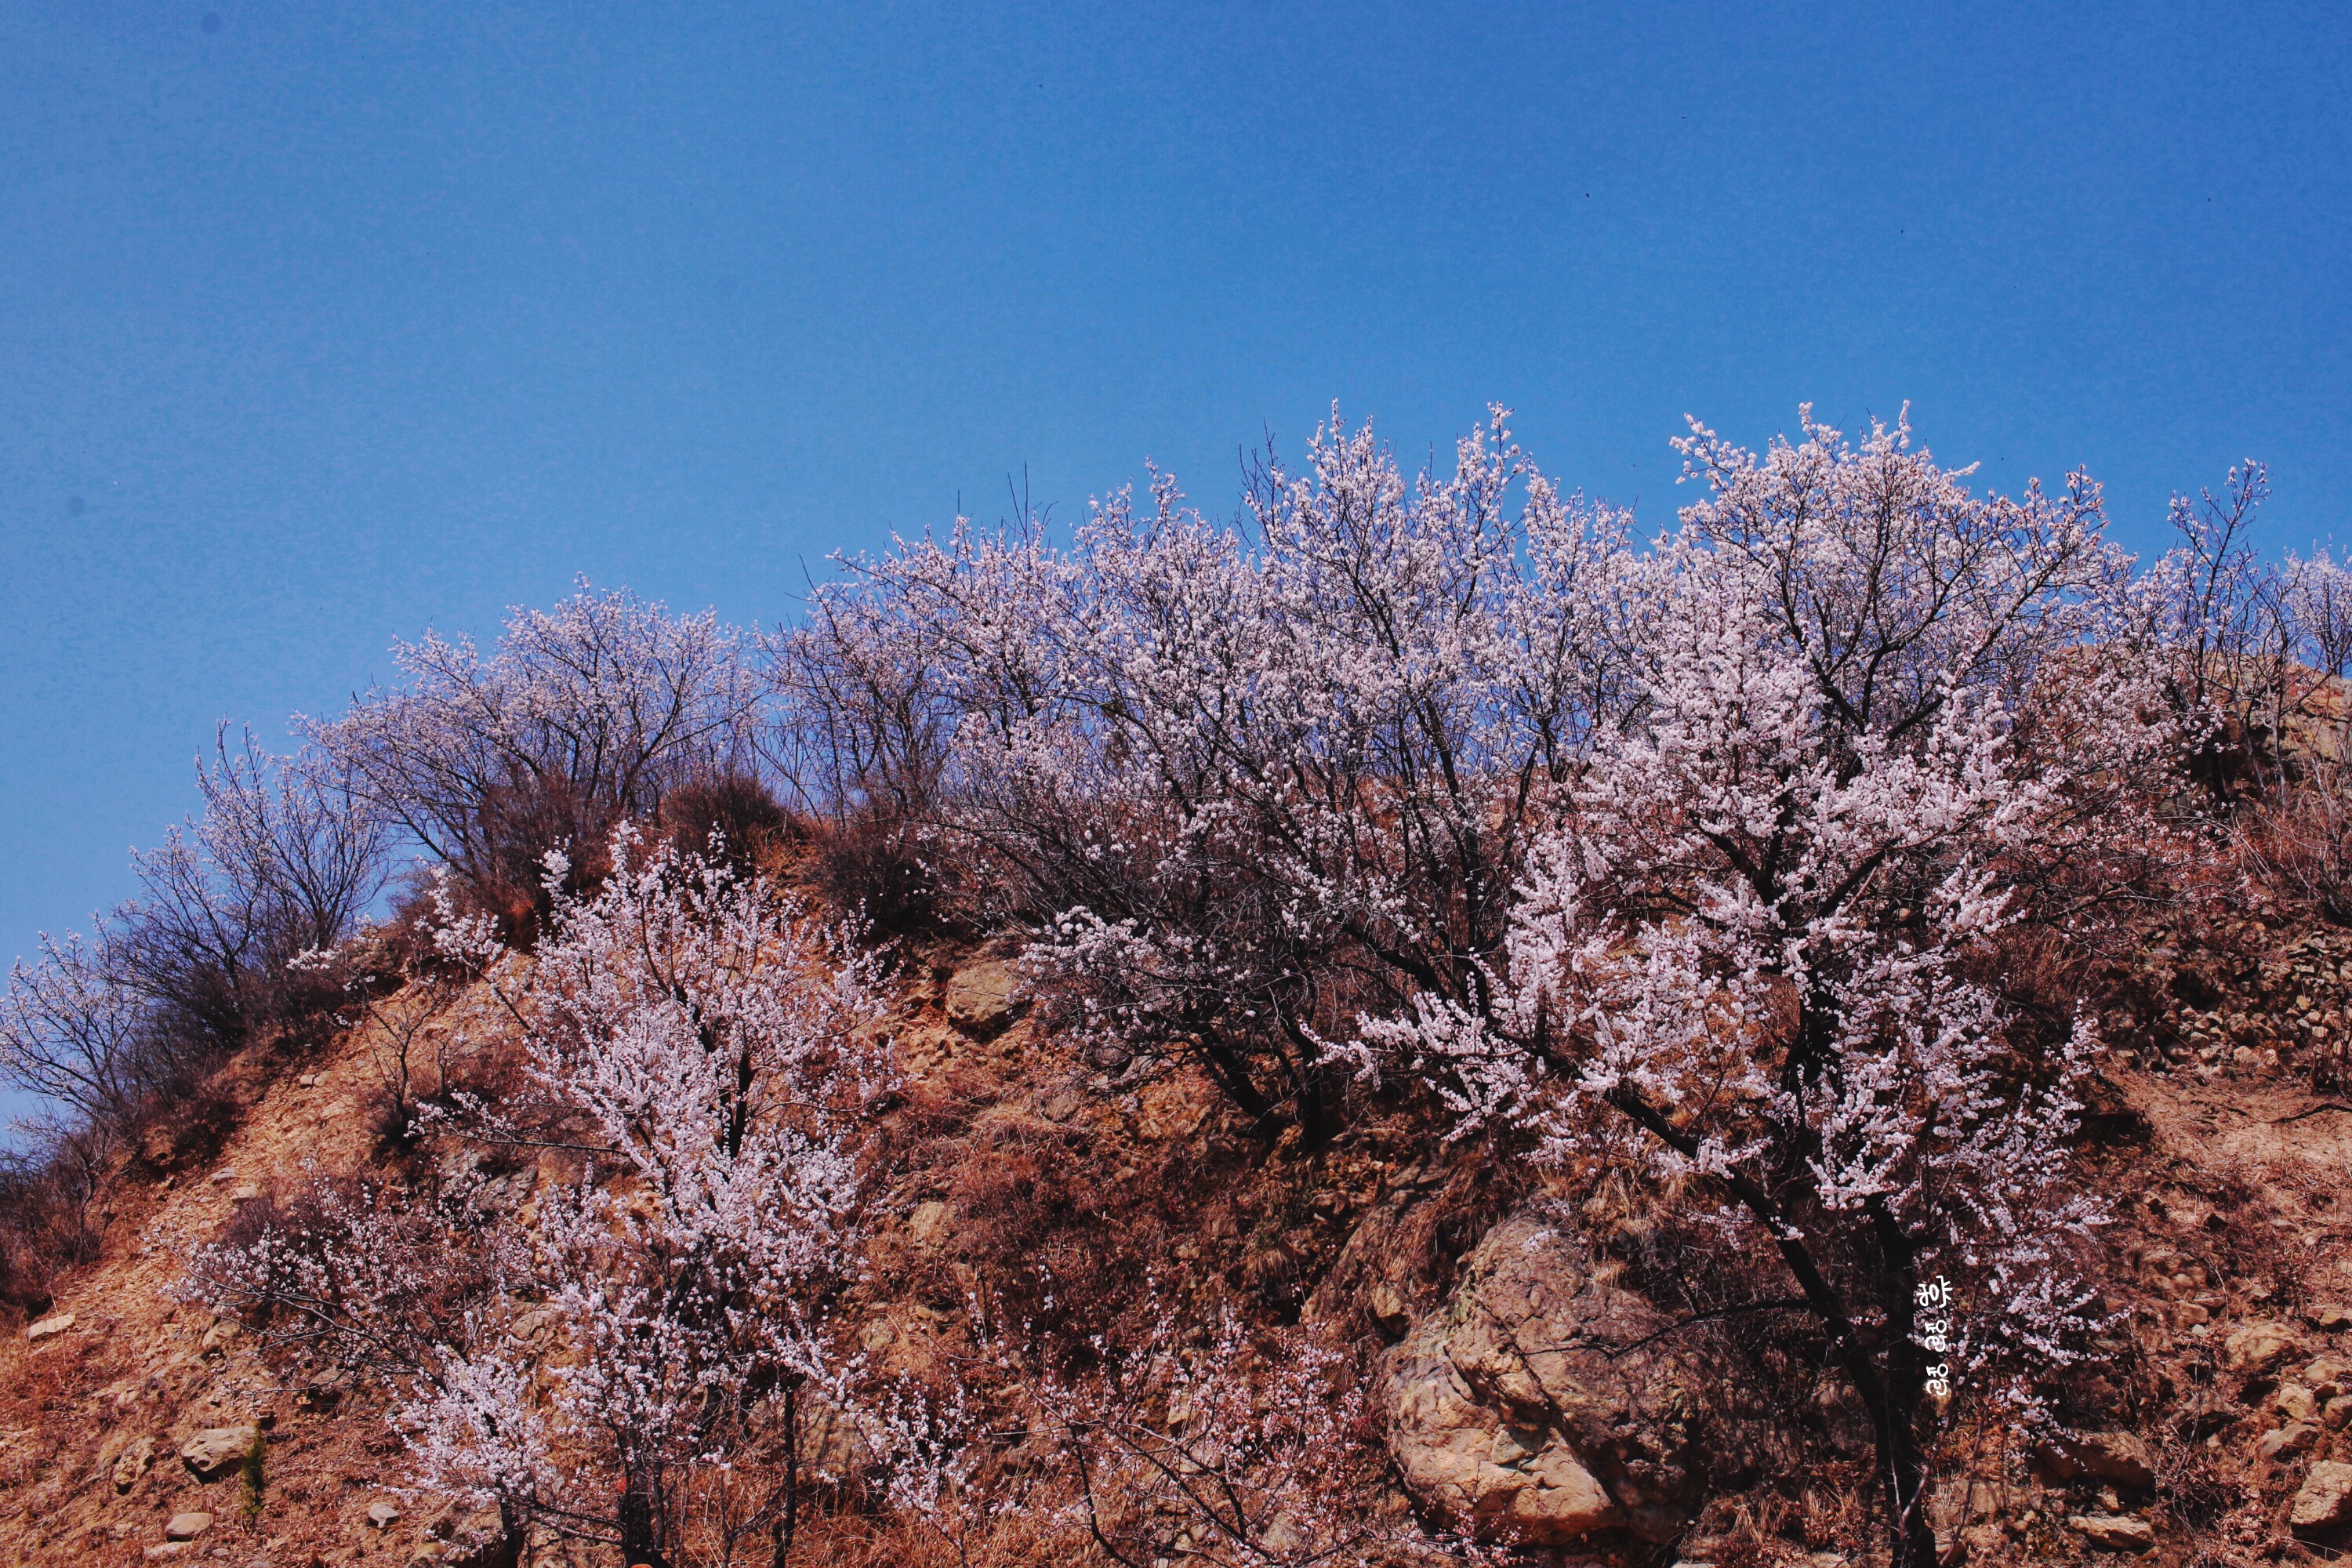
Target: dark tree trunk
[(787, 1524), (638, 1543)]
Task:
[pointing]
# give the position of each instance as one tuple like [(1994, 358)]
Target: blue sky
[(322, 324)]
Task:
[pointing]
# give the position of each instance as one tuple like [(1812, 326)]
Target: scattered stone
[(2113, 1531), (2294, 1403), (217, 1450), (244, 1194), (381, 1514), (2333, 1318), (163, 1550), (2322, 1513), (982, 1000), (186, 1526), (482, 1531), (2255, 1348), (2289, 1441), (48, 1327), (132, 1462), (326, 1389)]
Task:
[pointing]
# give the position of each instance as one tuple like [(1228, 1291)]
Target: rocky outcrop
[(2118, 1458), (2321, 1510), (983, 998), (217, 1450), (1537, 1406)]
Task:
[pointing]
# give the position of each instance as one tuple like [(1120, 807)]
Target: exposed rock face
[(214, 1452), (1533, 1408)]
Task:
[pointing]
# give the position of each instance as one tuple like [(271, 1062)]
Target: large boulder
[(1536, 1407)]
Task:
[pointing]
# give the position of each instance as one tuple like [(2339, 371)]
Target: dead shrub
[(730, 816), (879, 866), (516, 827)]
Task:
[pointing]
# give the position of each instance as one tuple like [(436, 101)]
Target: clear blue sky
[(322, 323)]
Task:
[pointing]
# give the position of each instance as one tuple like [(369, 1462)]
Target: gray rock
[(132, 1462), (48, 1327), (2256, 1348), (2115, 1456), (381, 1514), (186, 1526), (2289, 1441), (1386, 1308), (929, 1224)]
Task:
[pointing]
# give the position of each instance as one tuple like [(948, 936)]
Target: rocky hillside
[(1395, 1031), (1525, 1389)]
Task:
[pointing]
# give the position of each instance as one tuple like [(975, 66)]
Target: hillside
[(1419, 1026), (2222, 1400)]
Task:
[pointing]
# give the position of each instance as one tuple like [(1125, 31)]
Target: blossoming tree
[(631, 1371), (1755, 954), (1240, 782)]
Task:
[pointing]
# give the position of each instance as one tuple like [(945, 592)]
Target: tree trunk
[(638, 1545), (787, 1524), (1904, 1385)]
